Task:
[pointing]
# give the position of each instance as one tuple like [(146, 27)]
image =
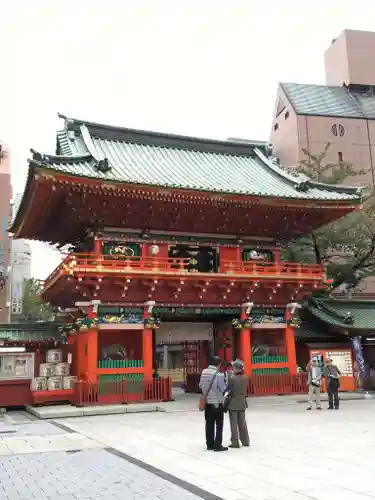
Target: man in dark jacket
[(332, 376), (212, 383), (237, 385)]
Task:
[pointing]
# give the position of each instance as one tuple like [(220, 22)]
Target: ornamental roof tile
[(148, 158), (346, 314), (324, 100)]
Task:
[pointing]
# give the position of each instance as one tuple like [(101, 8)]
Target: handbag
[(203, 398), (315, 383), (228, 394)]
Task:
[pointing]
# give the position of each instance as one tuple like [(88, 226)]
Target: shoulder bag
[(228, 394), (203, 398)]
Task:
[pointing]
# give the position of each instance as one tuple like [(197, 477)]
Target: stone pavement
[(295, 455), (46, 461), (182, 402)]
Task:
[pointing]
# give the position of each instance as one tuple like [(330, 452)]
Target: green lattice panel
[(122, 363), (257, 360), (270, 371)]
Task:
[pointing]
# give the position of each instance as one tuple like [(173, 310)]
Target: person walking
[(237, 388), (332, 376), (314, 380), (213, 386)]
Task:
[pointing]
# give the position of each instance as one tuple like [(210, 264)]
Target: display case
[(16, 365), (16, 371)]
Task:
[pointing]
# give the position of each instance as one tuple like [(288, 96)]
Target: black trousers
[(333, 393), (214, 417)]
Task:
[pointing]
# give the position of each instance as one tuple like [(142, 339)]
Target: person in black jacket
[(332, 376)]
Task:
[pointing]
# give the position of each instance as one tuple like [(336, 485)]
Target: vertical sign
[(360, 360)]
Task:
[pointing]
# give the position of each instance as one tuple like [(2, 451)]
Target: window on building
[(338, 130), (286, 115), (340, 157), (276, 126)]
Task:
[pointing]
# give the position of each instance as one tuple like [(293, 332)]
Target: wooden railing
[(271, 268), (122, 392), (264, 385), (81, 264), (280, 383)]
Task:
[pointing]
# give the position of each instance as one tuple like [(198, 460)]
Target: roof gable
[(324, 100)]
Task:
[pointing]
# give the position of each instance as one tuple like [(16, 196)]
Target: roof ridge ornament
[(103, 165), (39, 157)]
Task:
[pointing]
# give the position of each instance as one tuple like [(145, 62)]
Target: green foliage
[(34, 309), (346, 246), (317, 169)]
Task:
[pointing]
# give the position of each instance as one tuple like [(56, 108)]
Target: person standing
[(314, 380), (237, 388), (332, 376), (212, 383)]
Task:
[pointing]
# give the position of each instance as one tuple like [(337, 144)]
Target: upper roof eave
[(53, 168), (111, 132)]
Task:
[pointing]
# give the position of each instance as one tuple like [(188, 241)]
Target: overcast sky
[(201, 67)]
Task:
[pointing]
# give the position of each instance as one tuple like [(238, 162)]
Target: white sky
[(200, 67)]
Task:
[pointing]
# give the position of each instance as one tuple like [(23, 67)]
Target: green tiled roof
[(29, 332), (323, 100), (346, 314), (148, 158)]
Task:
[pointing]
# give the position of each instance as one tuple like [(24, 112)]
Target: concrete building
[(5, 216), (20, 269), (341, 113)]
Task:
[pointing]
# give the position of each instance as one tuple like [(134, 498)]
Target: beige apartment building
[(342, 112)]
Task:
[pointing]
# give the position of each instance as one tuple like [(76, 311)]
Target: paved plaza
[(294, 455)]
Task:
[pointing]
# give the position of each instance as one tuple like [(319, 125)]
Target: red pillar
[(97, 246), (147, 342), (245, 342), (290, 344), (87, 348)]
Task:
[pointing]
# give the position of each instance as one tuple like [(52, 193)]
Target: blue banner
[(360, 360)]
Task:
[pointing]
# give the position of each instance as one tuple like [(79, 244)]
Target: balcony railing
[(104, 265)]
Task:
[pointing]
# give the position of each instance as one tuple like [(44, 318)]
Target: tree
[(34, 309), (346, 246), (317, 169)]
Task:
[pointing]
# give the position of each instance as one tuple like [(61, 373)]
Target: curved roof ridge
[(297, 183), (89, 143), (320, 304), (338, 188), (307, 182)]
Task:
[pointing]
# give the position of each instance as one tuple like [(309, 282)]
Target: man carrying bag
[(332, 375), (212, 383)]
